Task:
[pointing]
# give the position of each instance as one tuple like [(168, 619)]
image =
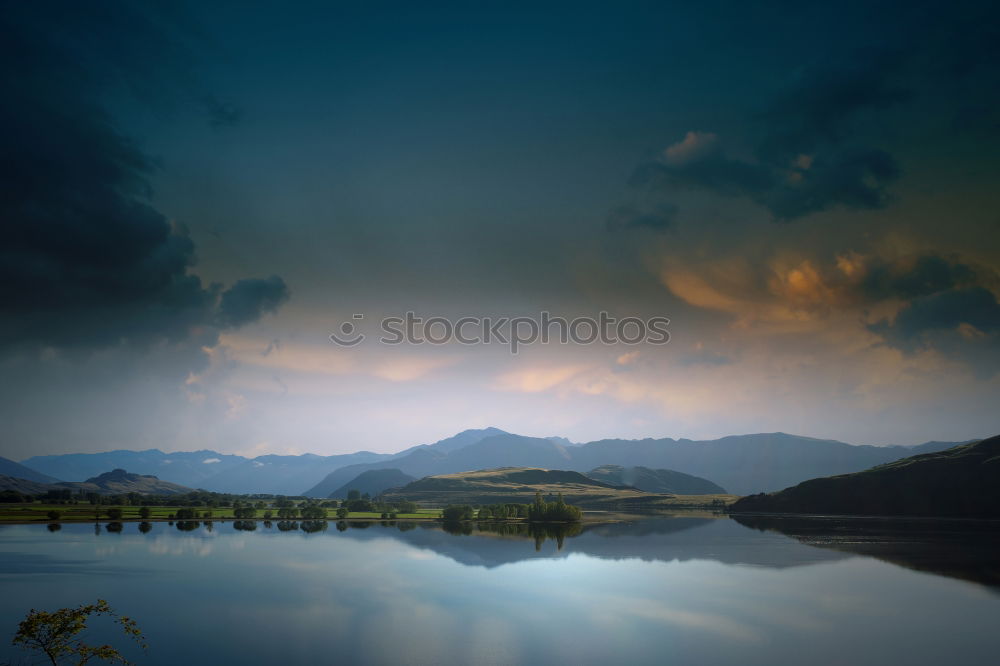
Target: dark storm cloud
[(809, 154), (222, 114), (946, 307), (824, 104), (248, 299), (959, 323), (660, 218), (927, 274), (86, 259), (975, 306)]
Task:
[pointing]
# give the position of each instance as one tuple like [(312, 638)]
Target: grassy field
[(38, 512)]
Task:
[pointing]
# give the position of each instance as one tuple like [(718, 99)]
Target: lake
[(665, 589)]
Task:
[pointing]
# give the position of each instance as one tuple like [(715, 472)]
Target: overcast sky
[(195, 196)]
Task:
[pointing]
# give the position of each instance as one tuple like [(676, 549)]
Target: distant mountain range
[(115, 482), (224, 473), (742, 464), (963, 481)]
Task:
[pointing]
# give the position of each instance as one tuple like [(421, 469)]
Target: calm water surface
[(660, 590)]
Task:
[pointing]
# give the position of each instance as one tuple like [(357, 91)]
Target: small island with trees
[(539, 511)]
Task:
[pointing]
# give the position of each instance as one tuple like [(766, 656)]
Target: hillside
[(23, 486), (963, 481), (119, 481), (115, 482), (373, 482), (18, 471), (655, 480), (518, 485)]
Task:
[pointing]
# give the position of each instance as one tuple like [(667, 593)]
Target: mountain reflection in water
[(967, 550)]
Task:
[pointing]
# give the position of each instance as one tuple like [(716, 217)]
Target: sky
[(194, 196)]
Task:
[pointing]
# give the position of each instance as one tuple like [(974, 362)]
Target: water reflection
[(957, 549), (688, 589), (967, 550), (537, 532)]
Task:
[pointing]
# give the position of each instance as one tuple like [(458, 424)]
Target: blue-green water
[(659, 590)]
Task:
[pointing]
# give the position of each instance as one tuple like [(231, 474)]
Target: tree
[(406, 506), (342, 513), (353, 494), (558, 511), (313, 513), (56, 634), (115, 513), (456, 512), (358, 505), (54, 515), (144, 512)]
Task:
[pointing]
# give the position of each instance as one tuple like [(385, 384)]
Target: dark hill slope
[(23, 486), (963, 481), (374, 482), (14, 469)]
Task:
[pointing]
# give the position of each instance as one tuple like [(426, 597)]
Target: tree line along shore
[(69, 507)]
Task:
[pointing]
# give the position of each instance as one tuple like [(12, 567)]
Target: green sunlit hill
[(963, 481), (519, 484), (655, 480)]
